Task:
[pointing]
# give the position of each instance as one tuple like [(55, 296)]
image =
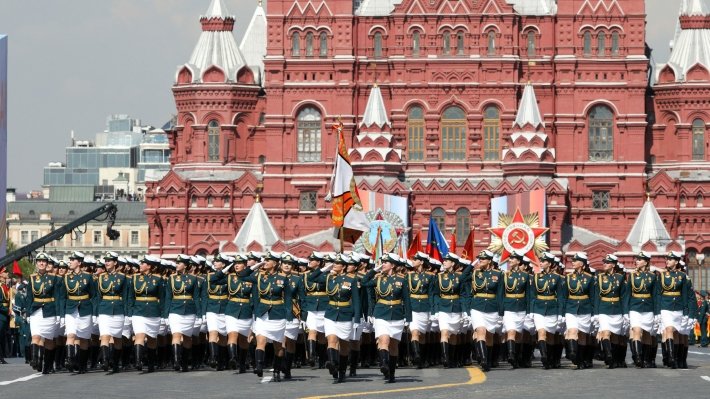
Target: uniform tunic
[(240, 310), (421, 294), (214, 303), (314, 301), (145, 301), (515, 287), (641, 287), (577, 294), (77, 303), (112, 291), (671, 298), (182, 300), (611, 302), (543, 302), (273, 305), (486, 300), (344, 304), (392, 303), (447, 300), (43, 299)]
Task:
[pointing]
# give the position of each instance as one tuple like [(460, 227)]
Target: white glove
[(406, 323), (691, 323), (684, 320), (61, 323), (434, 317), (56, 319), (378, 266), (626, 319), (198, 321), (529, 318), (595, 319), (256, 266), (561, 321), (356, 326), (371, 320), (226, 269), (327, 267), (163, 323), (303, 325), (127, 321), (94, 319)]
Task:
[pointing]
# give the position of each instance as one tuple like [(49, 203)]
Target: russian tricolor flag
[(436, 246)]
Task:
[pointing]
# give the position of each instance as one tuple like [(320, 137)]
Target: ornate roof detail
[(253, 45), (375, 111), (528, 111), (691, 44), (534, 7), (648, 227), (256, 228)]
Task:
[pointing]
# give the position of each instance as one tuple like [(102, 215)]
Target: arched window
[(491, 134), (309, 44), (699, 200), (323, 44), (531, 43), (415, 43), (415, 130), (295, 44), (601, 134), (491, 42), (683, 200), (601, 44), (453, 134), (439, 216), (587, 43), (463, 226), (447, 43), (459, 43), (614, 43), (378, 45), (309, 135), (213, 141), (698, 140)]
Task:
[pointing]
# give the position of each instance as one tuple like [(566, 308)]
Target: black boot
[(385, 363), (139, 357), (71, 358), (83, 360), (105, 356), (392, 368), (342, 368), (287, 364), (332, 363), (233, 356), (214, 353), (354, 358), (672, 348), (48, 361), (34, 356), (653, 351), (222, 358), (152, 359), (311, 352), (589, 356), (242, 356), (59, 354), (94, 356), (177, 357), (259, 356), (278, 362), (117, 354), (542, 346), (637, 353), (186, 360), (495, 355), (483, 354), (573, 352), (512, 353), (607, 353), (445, 347), (322, 355), (684, 357), (621, 359), (664, 352), (416, 353)]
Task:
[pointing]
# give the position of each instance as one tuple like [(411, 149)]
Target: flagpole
[(342, 239)]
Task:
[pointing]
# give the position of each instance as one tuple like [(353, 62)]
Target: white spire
[(256, 227), (375, 111), (253, 45), (691, 44), (648, 227), (217, 9), (528, 111), (534, 7)]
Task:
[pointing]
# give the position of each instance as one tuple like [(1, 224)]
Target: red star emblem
[(518, 236)]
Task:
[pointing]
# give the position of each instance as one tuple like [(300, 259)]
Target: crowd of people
[(341, 312)]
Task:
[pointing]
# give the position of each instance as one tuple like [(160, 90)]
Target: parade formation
[(341, 312)]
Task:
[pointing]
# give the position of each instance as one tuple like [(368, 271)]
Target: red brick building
[(431, 93)]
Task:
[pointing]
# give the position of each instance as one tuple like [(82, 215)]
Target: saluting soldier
[(642, 311), (577, 294), (611, 307), (112, 290), (182, 308), (239, 312), (342, 314), (543, 304), (199, 330), (356, 337), (145, 296), (78, 292), (515, 287), (214, 304), (43, 301), (486, 306), (392, 308), (421, 294), (273, 308), (314, 304), (671, 294), (293, 327)]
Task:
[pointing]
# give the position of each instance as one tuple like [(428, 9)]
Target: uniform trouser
[(4, 327), (704, 332)]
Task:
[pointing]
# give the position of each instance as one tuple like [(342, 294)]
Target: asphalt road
[(17, 380)]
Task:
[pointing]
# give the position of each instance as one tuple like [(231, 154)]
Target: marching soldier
[(5, 315), (20, 310), (342, 314), (239, 312), (293, 327), (447, 306), (611, 307), (688, 320), (671, 295), (577, 294), (703, 313), (391, 310), (314, 303), (515, 286), (214, 303), (352, 270), (642, 311), (112, 290), (486, 308), (273, 308), (43, 301), (77, 309), (145, 297), (182, 308), (421, 294), (543, 304)]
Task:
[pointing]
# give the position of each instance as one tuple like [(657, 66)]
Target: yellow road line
[(476, 376)]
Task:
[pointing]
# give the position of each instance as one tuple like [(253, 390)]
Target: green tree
[(25, 265)]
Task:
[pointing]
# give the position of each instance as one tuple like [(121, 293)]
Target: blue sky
[(74, 62)]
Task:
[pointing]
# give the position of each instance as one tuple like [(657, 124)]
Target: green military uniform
[(79, 291), (272, 297), (44, 293), (23, 326), (612, 295), (112, 291), (545, 291), (145, 295), (577, 293), (392, 300), (182, 296), (421, 292), (487, 291), (344, 303), (702, 317), (5, 296), (240, 294), (515, 286), (641, 287), (214, 296)]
